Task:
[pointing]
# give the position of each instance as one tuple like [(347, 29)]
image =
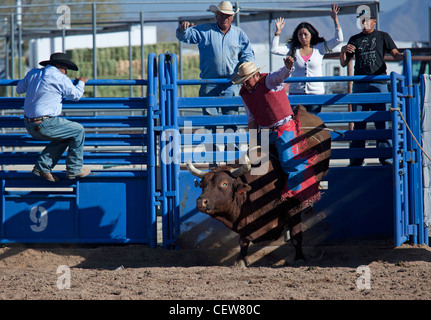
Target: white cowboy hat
[(245, 71), (224, 7)]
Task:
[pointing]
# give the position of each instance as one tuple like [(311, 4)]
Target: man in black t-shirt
[(369, 48)]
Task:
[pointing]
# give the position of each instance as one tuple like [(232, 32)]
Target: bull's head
[(222, 187)]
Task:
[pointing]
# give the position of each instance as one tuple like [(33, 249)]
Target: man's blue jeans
[(63, 134), (219, 90), (365, 87)]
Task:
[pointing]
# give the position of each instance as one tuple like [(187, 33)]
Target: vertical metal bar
[(418, 172), (422, 90), (180, 45), (163, 169), (410, 146), (94, 47), (141, 15), (403, 171), (169, 165), (18, 11), (270, 35), (429, 24), (415, 166), (12, 50), (396, 167), (77, 227), (350, 89), (130, 60), (237, 16), (168, 97), (151, 149), (426, 235), (405, 176), (6, 58), (19, 51), (3, 209), (6, 63), (177, 146), (377, 10), (412, 165), (402, 151), (63, 39)]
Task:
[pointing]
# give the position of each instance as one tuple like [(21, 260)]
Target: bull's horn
[(194, 171), (245, 168)]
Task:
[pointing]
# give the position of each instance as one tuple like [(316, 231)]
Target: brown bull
[(250, 205)]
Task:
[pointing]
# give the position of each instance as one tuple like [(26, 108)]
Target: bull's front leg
[(241, 261), (295, 228)]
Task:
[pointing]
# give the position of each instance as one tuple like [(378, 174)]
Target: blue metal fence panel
[(395, 209), (414, 159), (169, 169), (94, 210), (119, 206), (109, 206)]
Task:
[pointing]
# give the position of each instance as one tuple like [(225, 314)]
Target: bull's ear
[(243, 188)]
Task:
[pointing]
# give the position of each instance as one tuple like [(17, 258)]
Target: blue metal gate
[(141, 155), (383, 200), (115, 204)]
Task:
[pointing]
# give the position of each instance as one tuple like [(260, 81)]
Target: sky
[(386, 5)]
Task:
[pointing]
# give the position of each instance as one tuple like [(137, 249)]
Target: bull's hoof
[(295, 262), (299, 258), (241, 263), (299, 262)]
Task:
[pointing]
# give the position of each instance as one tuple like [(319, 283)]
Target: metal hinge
[(411, 156)]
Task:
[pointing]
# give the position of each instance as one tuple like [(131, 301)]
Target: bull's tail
[(303, 148)]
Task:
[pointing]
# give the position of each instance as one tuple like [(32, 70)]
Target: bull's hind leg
[(294, 223), (241, 261)]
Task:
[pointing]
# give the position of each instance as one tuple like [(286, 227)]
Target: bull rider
[(268, 107)]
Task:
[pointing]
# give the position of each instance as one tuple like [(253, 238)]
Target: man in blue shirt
[(222, 49), (45, 89)]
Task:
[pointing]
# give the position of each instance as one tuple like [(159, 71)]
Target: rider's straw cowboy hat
[(60, 58), (224, 7), (245, 72)]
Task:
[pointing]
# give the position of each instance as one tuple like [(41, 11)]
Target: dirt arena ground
[(135, 272)]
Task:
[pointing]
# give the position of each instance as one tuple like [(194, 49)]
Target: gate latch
[(411, 156)]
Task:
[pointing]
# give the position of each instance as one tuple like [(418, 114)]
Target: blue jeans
[(297, 163), (362, 87), (63, 134), (219, 90), (292, 166)]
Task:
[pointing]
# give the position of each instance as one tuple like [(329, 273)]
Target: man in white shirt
[(45, 89)]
